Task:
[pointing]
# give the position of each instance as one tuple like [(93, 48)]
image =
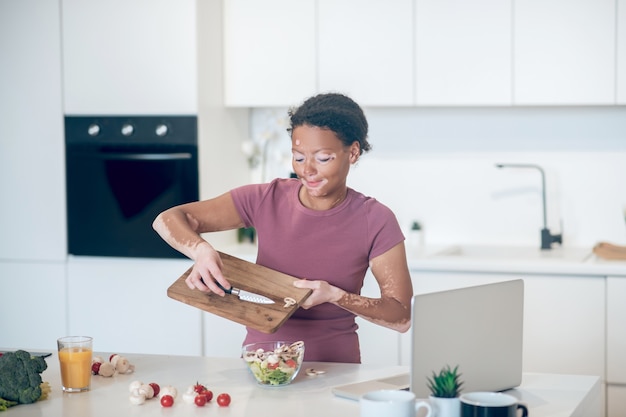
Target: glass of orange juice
[(75, 360)]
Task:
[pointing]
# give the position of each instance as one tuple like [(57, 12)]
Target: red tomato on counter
[(200, 400), (223, 400), (208, 394), (156, 388), (167, 401)]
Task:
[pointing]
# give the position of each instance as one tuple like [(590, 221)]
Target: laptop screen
[(478, 328)]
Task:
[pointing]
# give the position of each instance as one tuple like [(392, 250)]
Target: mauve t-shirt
[(333, 245)]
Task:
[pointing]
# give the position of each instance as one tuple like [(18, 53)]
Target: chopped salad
[(276, 366)]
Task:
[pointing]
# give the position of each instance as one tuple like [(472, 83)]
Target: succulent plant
[(446, 384)]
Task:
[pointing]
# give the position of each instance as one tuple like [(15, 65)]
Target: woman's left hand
[(323, 292)]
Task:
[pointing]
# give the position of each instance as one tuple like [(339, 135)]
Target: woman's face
[(322, 161)]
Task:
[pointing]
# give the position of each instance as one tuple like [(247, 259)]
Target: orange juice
[(75, 368)]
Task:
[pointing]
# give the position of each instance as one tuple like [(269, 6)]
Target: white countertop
[(496, 259), (546, 395), (523, 260)]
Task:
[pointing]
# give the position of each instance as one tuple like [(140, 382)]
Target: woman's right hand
[(207, 269)]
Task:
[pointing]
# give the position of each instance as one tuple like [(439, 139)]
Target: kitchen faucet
[(546, 237)]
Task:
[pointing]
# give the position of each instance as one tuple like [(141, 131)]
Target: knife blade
[(246, 295)]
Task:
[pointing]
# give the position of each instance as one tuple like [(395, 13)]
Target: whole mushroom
[(137, 399), (106, 369), (134, 387), (147, 391), (122, 365)]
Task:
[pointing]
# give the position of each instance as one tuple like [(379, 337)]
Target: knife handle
[(227, 291)]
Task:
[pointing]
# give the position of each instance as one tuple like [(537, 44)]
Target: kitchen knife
[(246, 295)]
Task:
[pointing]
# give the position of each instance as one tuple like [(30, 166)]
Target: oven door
[(114, 194)]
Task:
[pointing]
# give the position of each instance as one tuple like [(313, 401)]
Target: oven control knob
[(161, 129), (93, 129), (128, 129)]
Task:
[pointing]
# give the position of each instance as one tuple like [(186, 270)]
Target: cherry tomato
[(208, 394), (291, 363), (200, 400), (156, 388), (199, 387), (272, 365), (95, 368), (167, 401), (223, 400)]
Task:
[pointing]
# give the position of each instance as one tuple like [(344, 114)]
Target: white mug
[(391, 403)]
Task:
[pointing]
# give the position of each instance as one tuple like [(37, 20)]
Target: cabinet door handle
[(137, 156)]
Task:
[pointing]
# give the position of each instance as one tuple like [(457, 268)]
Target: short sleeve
[(383, 227)]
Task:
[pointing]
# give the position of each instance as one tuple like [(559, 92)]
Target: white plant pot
[(445, 407)]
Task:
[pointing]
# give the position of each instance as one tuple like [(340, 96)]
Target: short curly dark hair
[(335, 112)]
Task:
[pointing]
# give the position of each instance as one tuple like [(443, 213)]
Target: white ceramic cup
[(491, 404), (391, 403)]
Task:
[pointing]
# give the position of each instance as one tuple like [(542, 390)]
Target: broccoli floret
[(4, 404), (20, 376)]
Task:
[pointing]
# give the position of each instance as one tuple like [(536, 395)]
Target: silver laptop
[(478, 328)]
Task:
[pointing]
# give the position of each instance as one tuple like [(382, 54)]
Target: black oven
[(121, 171)]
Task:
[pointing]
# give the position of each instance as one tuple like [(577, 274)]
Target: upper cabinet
[(463, 52), (564, 52), (129, 57), (426, 52), (364, 50), (269, 52), (621, 52), (32, 176)]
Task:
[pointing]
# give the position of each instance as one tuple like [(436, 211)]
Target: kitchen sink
[(513, 253)]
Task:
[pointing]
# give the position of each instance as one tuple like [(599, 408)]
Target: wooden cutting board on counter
[(266, 318), (610, 251)]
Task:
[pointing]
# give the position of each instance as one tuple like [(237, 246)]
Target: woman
[(314, 228)]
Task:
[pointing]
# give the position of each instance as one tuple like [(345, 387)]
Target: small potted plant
[(445, 388)]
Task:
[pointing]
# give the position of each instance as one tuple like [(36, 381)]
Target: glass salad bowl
[(274, 363)]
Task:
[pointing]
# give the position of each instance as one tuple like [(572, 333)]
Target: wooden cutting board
[(610, 251), (266, 318)]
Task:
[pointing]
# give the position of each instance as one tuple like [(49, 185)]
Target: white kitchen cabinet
[(123, 304), (621, 54), (564, 320), (564, 52), (269, 52), (129, 57), (33, 306), (463, 52), (487, 53), (365, 50), (616, 330), (615, 401), (32, 170), (615, 346)]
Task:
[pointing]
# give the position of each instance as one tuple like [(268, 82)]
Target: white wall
[(220, 130), (437, 165)]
